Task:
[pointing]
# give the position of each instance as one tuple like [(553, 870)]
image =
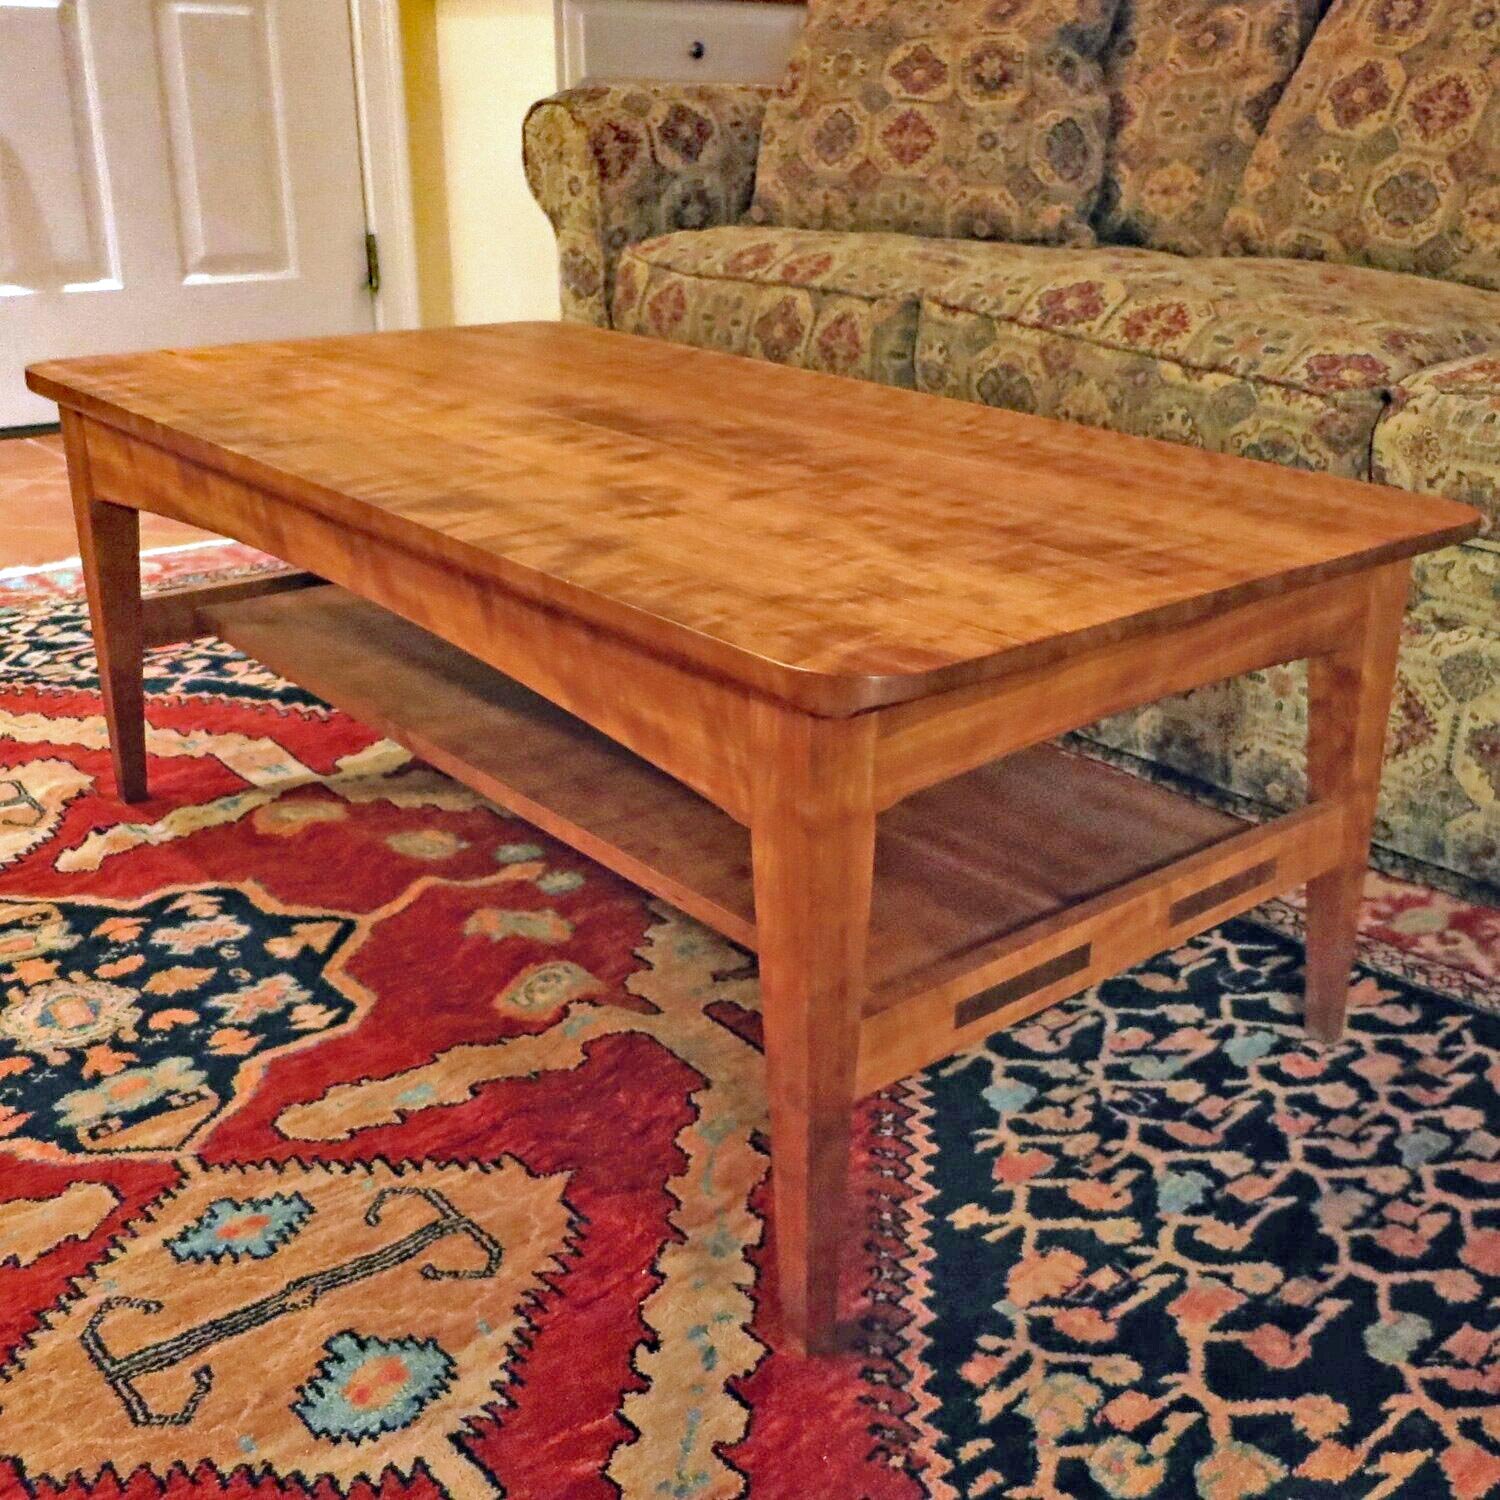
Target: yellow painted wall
[(424, 124), (473, 67)]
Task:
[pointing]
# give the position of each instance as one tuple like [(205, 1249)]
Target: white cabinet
[(708, 41)]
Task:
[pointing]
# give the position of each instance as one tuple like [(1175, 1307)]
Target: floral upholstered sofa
[(1268, 227)]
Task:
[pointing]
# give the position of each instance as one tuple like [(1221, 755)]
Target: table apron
[(706, 732), (693, 727), (928, 741)]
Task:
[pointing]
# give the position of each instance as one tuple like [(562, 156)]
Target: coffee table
[(782, 648)]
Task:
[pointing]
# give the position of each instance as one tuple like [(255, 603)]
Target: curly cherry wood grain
[(1348, 708), (564, 561), (109, 547), (833, 544)]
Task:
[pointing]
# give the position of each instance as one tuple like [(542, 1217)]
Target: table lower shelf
[(977, 880)]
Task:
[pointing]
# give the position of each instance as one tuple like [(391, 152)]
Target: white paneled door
[(174, 172)]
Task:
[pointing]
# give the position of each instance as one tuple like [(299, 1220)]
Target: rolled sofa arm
[(1441, 435), (614, 164)]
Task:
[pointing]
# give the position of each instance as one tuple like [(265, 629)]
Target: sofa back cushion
[(1385, 147), (1191, 86), (976, 119)]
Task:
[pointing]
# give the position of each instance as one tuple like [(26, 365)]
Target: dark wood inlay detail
[(976, 1007), (1221, 890)]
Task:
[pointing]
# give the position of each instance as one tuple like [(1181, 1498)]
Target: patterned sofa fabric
[(1442, 435), (1440, 788), (843, 303), (982, 119), (1279, 360), (1385, 147), (611, 165), (1191, 84)]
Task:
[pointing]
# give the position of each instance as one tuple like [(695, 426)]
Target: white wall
[(495, 58)]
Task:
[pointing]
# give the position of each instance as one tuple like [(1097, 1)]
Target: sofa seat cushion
[(1442, 435), (1290, 361), (844, 303)]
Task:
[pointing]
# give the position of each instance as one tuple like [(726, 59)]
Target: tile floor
[(36, 515)]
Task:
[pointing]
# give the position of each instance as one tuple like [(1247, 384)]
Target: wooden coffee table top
[(838, 544)]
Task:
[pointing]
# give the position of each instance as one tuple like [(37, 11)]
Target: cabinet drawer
[(708, 41)]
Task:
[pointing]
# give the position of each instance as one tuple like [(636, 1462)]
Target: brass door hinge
[(372, 265)]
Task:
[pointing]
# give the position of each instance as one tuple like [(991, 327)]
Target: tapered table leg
[(1349, 701), (109, 544), (813, 850)]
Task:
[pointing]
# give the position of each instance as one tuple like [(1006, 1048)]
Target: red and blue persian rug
[(356, 1139)]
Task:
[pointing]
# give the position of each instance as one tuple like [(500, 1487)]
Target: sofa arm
[(1441, 434), (614, 164)]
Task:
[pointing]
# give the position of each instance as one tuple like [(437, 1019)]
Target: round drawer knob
[(697, 51)]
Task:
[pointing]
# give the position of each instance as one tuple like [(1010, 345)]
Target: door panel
[(174, 172), (55, 237), (227, 129)]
